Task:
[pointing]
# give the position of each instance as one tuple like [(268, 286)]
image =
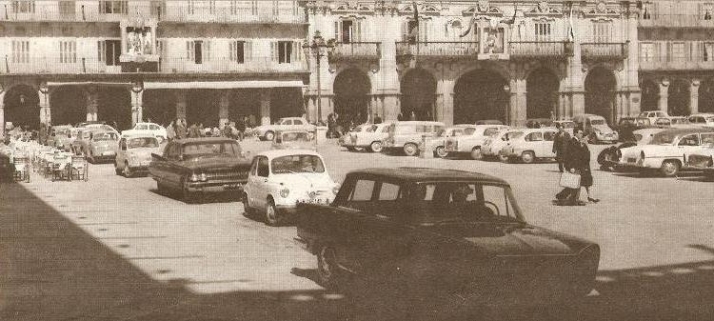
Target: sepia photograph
[(466, 160)]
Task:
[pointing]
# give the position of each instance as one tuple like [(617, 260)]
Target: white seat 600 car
[(280, 179)]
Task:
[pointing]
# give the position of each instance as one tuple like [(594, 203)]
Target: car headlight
[(194, 177), (134, 159), (203, 177), (285, 192), (336, 189)]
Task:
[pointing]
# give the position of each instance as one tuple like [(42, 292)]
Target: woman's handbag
[(570, 180)]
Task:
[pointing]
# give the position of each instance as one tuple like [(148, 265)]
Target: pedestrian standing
[(193, 131), (400, 116), (241, 127), (560, 144), (377, 119), (412, 116), (171, 131)]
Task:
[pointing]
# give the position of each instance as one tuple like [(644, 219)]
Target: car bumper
[(216, 186)]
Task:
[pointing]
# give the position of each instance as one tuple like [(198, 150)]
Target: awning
[(248, 84)]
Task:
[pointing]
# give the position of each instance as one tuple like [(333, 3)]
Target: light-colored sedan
[(147, 129), (665, 152), (134, 155), (267, 132), (536, 143), (472, 140), (367, 136), (294, 139), (492, 146), (281, 179), (703, 158)]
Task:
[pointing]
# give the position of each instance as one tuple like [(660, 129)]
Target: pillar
[(312, 109), (224, 108), (373, 111), (137, 109), (92, 103), (390, 103), (45, 117), (445, 101), (2, 113), (663, 95), (180, 104), (265, 106), (517, 111), (577, 102), (694, 97)]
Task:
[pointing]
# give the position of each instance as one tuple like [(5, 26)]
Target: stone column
[(311, 109), (694, 97), (92, 103), (44, 106), (663, 95), (391, 106), (137, 109), (265, 106), (180, 104), (224, 108), (2, 112), (517, 111), (373, 111), (445, 101)]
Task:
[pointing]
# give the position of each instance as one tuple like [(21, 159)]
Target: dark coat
[(560, 144), (577, 156)]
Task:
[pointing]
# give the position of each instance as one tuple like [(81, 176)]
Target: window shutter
[(358, 33), (337, 31), (248, 47), (293, 52), (405, 31), (190, 50), (274, 51), (100, 50), (207, 50)]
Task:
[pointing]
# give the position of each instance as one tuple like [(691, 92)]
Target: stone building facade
[(451, 61)]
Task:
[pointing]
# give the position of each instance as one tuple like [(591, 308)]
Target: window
[(298, 122), (113, 7), (362, 191), (678, 52), (388, 192), (286, 52), (20, 51), (490, 132), (549, 136), (602, 31), (109, 52), (66, 8), (158, 8), (543, 31), (348, 31), (240, 51), (647, 52), (254, 8), (68, 51), (708, 51), (263, 167), (297, 164), (534, 137), (161, 47), (689, 140), (198, 51), (23, 6), (212, 7), (275, 8), (191, 9)]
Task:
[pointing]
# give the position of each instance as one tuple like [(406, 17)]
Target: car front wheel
[(127, 171), (476, 153), (269, 136), (376, 147), (441, 152), (528, 157), (411, 149), (327, 270), (272, 217), (670, 168)]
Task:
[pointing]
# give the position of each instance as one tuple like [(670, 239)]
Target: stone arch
[(352, 88), (159, 105), (22, 105), (498, 69), (418, 88), (600, 91), (650, 95), (706, 96), (542, 93), (68, 105), (114, 105), (481, 94), (678, 99)]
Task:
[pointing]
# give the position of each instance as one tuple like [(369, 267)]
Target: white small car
[(294, 139), (439, 140), (280, 179), (492, 146), (368, 136), (134, 154), (536, 143), (267, 132), (471, 141), (147, 129), (653, 115), (703, 158), (702, 119), (666, 151)]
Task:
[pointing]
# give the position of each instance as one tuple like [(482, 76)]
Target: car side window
[(154, 127), (707, 139), (263, 167), (689, 140), (549, 136), (297, 122), (388, 192), (362, 190), (534, 137), (490, 132), (385, 129)]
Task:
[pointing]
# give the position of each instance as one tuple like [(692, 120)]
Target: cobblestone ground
[(113, 249)]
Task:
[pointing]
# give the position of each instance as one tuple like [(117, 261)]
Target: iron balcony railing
[(356, 50), (221, 12), (676, 20), (663, 63), (72, 65), (604, 50), (528, 49), (438, 49)]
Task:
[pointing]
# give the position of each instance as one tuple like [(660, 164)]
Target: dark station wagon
[(200, 165), (444, 232)]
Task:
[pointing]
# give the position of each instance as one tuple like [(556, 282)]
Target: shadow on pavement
[(50, 269)]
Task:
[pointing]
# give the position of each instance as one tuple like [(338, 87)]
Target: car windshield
[(511, 135), (142, 142), (202, 149), (297, 164), (469, 131), (679, 121), (296, 137), (665, 138), (444, 202), (104, 137), (708, 140), (63, 131), (597, 122)]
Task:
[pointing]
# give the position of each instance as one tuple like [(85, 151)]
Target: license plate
[(108, 153), (231, 186), (632, 160), (313, 201)]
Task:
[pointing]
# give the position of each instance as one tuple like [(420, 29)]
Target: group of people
[(179, 129), (573, 156)]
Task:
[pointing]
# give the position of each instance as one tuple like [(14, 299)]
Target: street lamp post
[(317, 47)]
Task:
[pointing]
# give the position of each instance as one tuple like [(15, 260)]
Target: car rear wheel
[(376, 147), (272, 217), (441, 152), (269, 136), (411, 149), (528, 157), (327, 270), (476, 153), (670, 168)]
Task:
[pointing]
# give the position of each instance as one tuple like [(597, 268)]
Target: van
[(595, 128), (407, 135)]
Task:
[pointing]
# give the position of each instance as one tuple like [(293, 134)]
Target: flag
[(571, 32), (513, 19)]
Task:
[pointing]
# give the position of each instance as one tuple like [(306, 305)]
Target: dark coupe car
[(199, 165), (441, 233)]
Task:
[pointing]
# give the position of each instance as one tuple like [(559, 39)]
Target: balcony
[(676, 21), (604, 50), (676, 63), (356, 51), (46, 65), (438, 49), (541, 49)]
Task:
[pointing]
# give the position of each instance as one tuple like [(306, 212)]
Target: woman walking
[(579, 162)]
